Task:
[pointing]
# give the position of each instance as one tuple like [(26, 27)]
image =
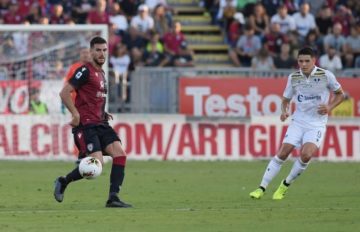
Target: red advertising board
[(240, 97), (14, 96)]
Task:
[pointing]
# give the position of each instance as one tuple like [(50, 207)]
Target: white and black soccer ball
[(90, 168)]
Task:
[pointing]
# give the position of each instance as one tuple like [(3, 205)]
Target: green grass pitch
[(180, 196)]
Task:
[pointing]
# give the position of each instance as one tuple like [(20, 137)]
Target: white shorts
[(298, 135)]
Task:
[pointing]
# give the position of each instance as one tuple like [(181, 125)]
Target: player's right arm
[(66, 98), (78, 79), (285, 104)]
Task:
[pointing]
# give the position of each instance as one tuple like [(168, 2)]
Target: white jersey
[(309, 93)]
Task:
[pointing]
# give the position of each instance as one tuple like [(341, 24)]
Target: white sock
[(297, 168), (271, 171)]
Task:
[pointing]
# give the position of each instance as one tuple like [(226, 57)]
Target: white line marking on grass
[(178, 209)]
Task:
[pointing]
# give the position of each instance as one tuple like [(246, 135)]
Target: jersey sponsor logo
[(302, 98), (90, 146), (101, 94)]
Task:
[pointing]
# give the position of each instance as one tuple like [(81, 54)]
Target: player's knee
[(305, 157)]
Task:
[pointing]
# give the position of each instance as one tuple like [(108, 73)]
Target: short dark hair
[(97, 40), (307, 51)]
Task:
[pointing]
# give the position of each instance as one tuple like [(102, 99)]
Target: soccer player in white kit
[(309, 88)]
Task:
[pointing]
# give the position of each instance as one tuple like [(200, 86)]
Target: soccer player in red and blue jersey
[(92, 133)]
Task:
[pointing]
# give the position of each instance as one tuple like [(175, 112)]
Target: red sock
[(120, 160)]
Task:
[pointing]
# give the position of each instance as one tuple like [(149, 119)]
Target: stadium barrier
[(173, 137), (156, 90)]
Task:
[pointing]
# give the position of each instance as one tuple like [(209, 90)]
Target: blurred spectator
[(21, 42), (285, 21), (284, 60), (293, 39), (143, 22), (120, 62), (57, 71), (335, 39), (324, 20), (173, 39), (4, 7), (304, 20), (81, 9), (274, 38), (36, 105), (154, 53), (118, 19), (99, 14), (8, 48), (152, 4), (40, 68), (13, 16), (162, 22), (330, 60), (316, 6), (354, 6), (113, 40), (357, 62), (271, 6), (57, 15), (130, 7), (44, 20), (344, 16), (352, 46), (312, 40), (34, 14), (246, 48), (185, 56), (263, 61), (259, 20), (235, 29), (246, 6), (135, 45), (227, 9), (291, 5)]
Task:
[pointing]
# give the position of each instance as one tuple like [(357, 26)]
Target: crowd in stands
[(140, 33), (267, 34), (261, 34)]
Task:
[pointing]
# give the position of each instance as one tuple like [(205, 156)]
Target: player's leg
[(112, 146), (292, 139), (89, 144), (272, 169), (312, 140), (80, 145)]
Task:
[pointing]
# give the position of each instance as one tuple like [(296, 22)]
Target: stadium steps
[(182, 2), (195, 29), (205, 39), (213, 59), (189, 9), (193, 20)]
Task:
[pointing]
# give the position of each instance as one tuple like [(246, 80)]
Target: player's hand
[(108, 116), (75, 121), (323, 109), (284, 116)]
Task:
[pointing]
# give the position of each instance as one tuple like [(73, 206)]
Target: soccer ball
[(90, 168)]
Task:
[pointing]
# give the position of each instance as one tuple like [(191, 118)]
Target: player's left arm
[(339, 96)]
